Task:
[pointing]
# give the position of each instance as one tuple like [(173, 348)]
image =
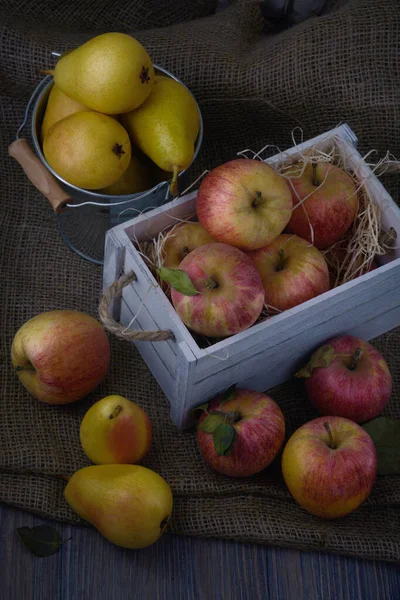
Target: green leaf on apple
[(179, 280), (323, 357), (224, 436), (211, 422), (385, 434), (42, 540), (204, 406), (229, 394)]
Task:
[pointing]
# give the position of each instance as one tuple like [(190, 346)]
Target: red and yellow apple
[(256, 427), (182, 239), (244, 203), (329, 466), (356, 385), (331, 205), (230, 294), (115, 430), (292, 271), (60, 355)]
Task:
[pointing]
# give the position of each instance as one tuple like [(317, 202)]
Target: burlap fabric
[(253, 86)]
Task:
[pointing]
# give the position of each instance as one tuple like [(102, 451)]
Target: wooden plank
[(151, 355), (146, 321), (338, 310), (256, 572), (184, 388), (114, 256), (268, 368)]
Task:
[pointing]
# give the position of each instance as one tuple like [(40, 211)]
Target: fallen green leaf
[(179, 280), (211, 422), (323, 357), (224, 436), (42, 540), (385, 434)]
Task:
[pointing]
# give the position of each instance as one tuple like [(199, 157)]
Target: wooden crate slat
[(150, 355)]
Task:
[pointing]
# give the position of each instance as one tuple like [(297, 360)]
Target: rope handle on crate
[(114, 290)]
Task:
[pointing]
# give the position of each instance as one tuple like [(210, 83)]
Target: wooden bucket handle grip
[(37, 173), (114, 290)]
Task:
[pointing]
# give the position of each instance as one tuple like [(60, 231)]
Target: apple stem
[(315, 180), (281, 260), (185, 251), (211, 284), (331, 444), (115, 412), (233, 416), (355, 358), (257, 200)]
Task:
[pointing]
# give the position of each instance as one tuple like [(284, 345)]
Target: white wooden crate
[(270, 352)]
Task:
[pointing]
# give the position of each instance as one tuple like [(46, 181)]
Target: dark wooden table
[(180, 568)]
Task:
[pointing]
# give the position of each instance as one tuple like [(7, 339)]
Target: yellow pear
[(88, 149), (59, 106), (165, 126), (137, 178), (129, 505), (111, 73)]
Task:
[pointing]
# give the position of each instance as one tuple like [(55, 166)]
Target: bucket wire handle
[(34, 169), (114, 290)]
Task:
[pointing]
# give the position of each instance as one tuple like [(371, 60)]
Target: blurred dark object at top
[(285, 13)]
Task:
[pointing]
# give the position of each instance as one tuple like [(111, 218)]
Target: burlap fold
[(254, 87)]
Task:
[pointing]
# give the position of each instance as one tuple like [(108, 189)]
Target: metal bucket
[(86, 217)]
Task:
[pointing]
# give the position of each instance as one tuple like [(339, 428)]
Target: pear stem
[(315, 180), (355, 358), (331, 443), (115, 412), (173, 188), (47, 72), (26, 368)]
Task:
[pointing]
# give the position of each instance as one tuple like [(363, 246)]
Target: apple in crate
[(60, 355), (348, 377), (240, 432), (292, 271), (324, 196), (182, 239), (244, 203), (222, 290), (115, 430), (329, 466)]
